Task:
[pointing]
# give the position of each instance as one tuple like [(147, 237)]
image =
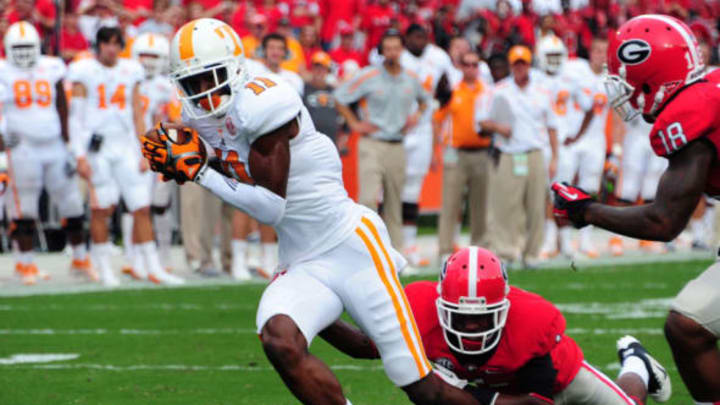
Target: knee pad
[(22, 227), (73, 224), (410, 212)]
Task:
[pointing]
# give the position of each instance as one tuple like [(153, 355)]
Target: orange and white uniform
[(586, 157), (38, 155), (108, 117), (335, 255), (428, 67)]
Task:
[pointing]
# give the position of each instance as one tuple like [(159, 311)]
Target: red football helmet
[(651, 58), (473, 304)]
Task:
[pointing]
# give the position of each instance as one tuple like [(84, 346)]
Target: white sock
[(550, 235), (347, 402), (566, 239), (410, 235), (126, 226), (25, 257), (148, 250), (586, 237), (138, 262), (163, 225), (100, 255), (239, 248), (698, 230), (79, 251), (269, 257), (703, 403), (634, 365)]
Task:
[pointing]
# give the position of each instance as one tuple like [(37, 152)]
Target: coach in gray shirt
[(387, 94)]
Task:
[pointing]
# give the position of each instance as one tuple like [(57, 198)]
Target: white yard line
[(46, 331), (182, 367)]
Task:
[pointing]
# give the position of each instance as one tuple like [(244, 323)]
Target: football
[(178, 134)]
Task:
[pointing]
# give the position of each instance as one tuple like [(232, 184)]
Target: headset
[(391, 33), (260, 51), (106, 33)]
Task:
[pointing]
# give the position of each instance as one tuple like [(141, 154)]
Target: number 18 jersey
[(28, 98)]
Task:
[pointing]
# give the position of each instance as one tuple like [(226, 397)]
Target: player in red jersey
[(508, 346), (656, 68)]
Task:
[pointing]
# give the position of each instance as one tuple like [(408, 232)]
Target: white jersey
[(28, 98), (155, 93), (319, 215), (293, 79), (569, 102), (109, 110), (594, 87)]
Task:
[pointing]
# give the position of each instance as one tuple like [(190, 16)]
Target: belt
[(473, 148), (388, 140)]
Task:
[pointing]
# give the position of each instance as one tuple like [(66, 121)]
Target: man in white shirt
[(519, 116)]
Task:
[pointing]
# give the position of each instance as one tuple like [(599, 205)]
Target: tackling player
[(34, 147), (106, 113), (336, 254), (655, 68), (508, 346)]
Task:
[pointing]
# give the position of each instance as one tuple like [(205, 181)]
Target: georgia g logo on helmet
[(634, 51)]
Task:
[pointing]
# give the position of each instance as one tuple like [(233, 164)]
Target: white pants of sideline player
[(360, 276), (418, 155), (116, 172), (591, 387), (585, 158), (34, 165), (641, 170)]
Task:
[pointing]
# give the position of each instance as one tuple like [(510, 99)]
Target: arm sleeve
[(256, 201)]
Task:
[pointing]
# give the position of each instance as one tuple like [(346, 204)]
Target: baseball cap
[(321, 58), (519, 53)]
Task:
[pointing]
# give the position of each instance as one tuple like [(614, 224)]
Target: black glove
[(570, 203)]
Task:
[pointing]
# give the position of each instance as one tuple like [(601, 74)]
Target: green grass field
[(198, 346)]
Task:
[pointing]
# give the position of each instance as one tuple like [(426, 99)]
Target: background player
[(336, 253), (106, 113), (573, 110), (508, 346), (655, 67), (35, 147), (583, 154), (428, 62)]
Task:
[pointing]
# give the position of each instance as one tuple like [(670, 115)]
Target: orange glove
[(175, 151)]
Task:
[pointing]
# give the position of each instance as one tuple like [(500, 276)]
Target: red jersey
[(680, 123), (534, 328)]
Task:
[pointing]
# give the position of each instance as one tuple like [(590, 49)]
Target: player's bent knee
[(283, 342), (686, 334), (426, 391)]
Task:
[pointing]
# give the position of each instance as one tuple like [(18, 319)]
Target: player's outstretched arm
[(679, 191), (350, 340)]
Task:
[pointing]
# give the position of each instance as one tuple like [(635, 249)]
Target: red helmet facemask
[(649, 60), (473, 304)]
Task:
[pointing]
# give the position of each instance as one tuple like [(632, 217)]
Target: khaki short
[(591, 387), (699, 300)]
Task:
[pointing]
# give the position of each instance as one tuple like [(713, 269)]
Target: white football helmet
[(207, 50), (551, 54), (153, 53), (22, 45)]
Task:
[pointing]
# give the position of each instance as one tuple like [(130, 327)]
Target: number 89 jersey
[(109, 96), (693, 114), (28, 98)]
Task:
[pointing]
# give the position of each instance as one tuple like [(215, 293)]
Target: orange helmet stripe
[(22, 29), (151, 40), (186, 42)]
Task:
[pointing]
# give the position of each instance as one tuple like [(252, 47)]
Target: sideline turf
[(212, 327)]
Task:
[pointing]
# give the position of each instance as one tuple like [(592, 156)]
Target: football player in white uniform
[(335, 254), (573, 111), (583, 155), (157, 95), (35, 109), (106, 113), (429, 63)]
